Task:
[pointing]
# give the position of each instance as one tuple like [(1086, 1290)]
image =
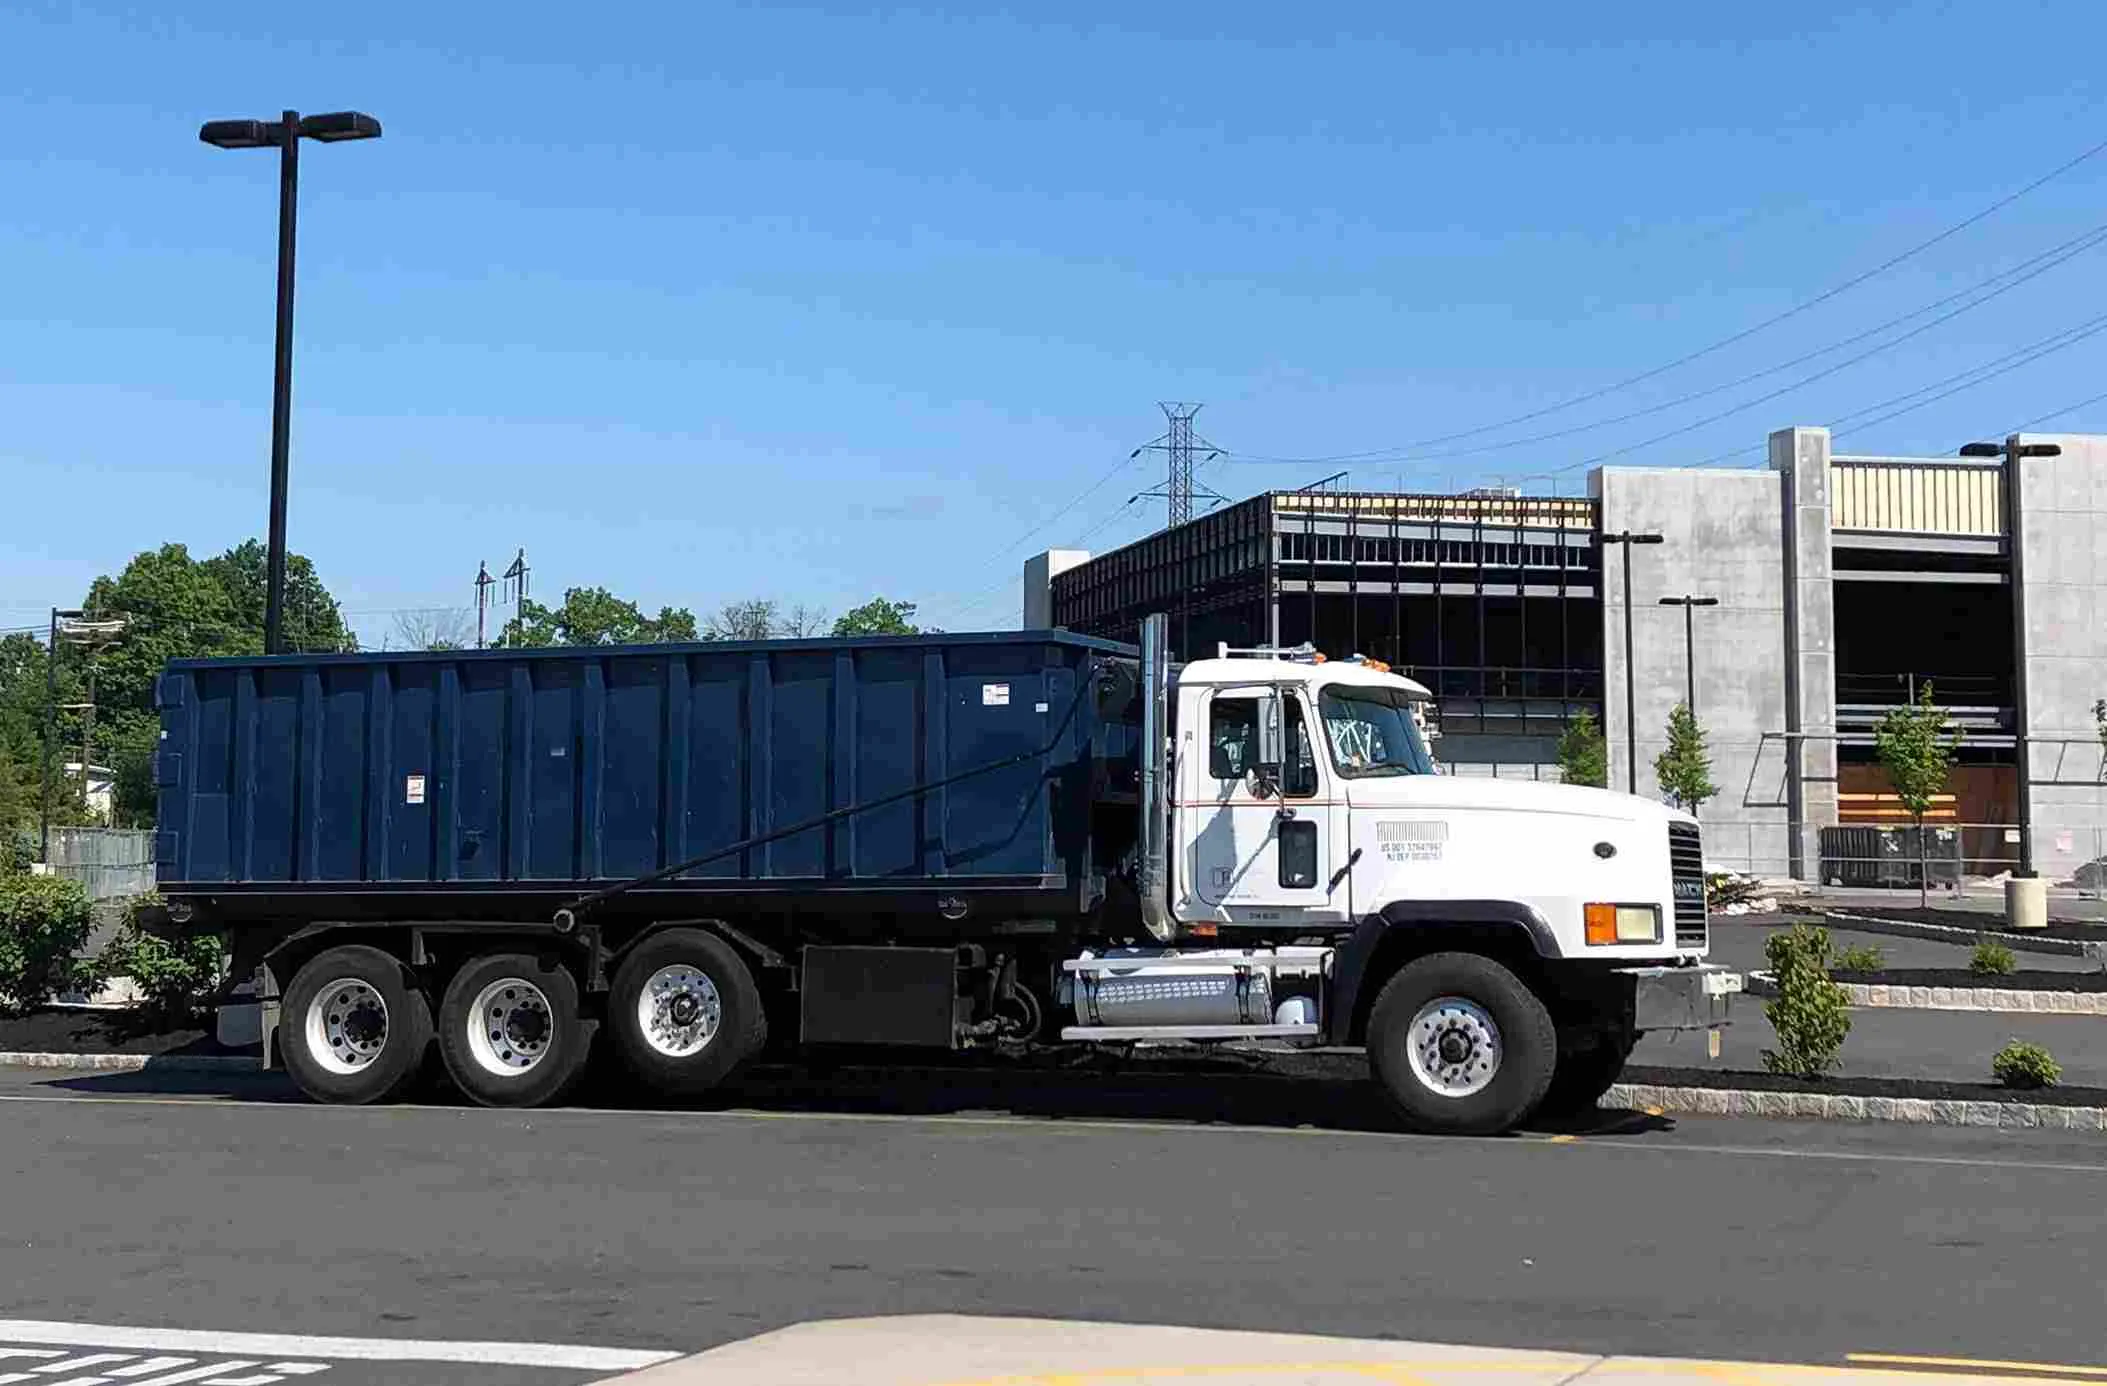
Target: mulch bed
[(1976, 921), (74, 1030), (1962, 977), (1927, 1088)]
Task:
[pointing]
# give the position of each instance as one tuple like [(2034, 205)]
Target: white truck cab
[(1497, 946)]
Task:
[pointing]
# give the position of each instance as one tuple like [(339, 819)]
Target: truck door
[(1257, 847)]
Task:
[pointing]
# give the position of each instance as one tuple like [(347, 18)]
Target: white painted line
[(176, 1378), (150, 1366), (268, 1345), (85, 1381), (298, 1368), (75, 1364)]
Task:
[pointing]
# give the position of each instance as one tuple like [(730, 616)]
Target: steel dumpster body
[(510, 780)]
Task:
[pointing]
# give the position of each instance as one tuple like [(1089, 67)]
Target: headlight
[(1622, 923)]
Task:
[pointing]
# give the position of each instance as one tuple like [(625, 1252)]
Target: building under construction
[(1794, 605), (1494, 601)]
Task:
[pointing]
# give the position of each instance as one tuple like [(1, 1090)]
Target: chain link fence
[(109, 863)]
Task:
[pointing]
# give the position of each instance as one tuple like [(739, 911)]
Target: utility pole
[(1627, 538), (516, 583), (1689, 604), (1178, 443), (484, 582)]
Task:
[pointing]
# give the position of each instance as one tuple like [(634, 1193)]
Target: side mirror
[(1272, 739)]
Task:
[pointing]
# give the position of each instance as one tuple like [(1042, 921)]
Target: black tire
[(512, 1050), (741, 1020), (326, 1020), (1528, 1044), (1586, 1071)]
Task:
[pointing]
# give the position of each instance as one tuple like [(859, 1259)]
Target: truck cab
[(1349, 819)]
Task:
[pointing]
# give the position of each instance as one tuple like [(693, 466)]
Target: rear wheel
[(510, 1031), (353, 1027), (1460, 1045), (685, 1012)]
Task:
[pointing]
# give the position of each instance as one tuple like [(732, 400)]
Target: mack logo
[(1689, 890)]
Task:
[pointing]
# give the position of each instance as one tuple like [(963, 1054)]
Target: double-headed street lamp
[(2012, 451), (1689, 603), (1627, 538), (285, 134)]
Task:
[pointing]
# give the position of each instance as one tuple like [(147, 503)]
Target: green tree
[(1583, 756), (878, 616), (596, 616), (1684, 769), (313, 622), (1914, 744)]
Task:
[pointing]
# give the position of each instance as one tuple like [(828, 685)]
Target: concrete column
[(2062, 505), (1801, 457), (1039, 572)]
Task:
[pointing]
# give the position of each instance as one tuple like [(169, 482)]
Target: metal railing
[(1966, 861)]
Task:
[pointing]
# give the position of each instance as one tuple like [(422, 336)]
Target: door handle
[(1340, 874)]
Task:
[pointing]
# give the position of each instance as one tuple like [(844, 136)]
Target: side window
[(1232, 738), (1299, 775)]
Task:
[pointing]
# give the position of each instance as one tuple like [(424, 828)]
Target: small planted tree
[(1811, 1013), (1915, 746), (1583, 756), (1685, 768)]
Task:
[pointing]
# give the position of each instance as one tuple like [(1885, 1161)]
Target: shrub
[(1993, 959), (1862, 957), (1810, 1013), (2023, 1065), (176, 979), (44, 920)]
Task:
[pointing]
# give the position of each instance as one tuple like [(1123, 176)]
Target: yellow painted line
[(1896, 1359), (1564, 1140), (1404, 1372)]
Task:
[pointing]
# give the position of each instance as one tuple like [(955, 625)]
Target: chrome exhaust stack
[(1152, 880)]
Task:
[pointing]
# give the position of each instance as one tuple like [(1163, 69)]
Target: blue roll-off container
[(507, 781)]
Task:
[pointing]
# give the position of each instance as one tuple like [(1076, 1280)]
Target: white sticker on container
[(413, 789), (994, 695), (1039, 707)]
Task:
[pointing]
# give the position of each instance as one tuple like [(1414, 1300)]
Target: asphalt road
[(681, 1230)]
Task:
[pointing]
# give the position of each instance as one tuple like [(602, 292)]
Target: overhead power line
[(1909, 401), (1722, 343)]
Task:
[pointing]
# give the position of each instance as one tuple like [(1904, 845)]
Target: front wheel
[(353, 1027), (1586, 1072), (510, 1031), (1460, 1045)]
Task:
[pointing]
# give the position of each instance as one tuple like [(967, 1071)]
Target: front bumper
[(1681, 998)]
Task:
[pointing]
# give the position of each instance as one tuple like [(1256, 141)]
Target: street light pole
[(1689, 603), (285, 134), (1627, 538), (2013, 451), (282, 385)]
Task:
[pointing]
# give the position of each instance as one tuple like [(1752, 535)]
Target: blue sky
[(704, 301)]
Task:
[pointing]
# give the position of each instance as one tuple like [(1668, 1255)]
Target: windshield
[(1372, 733)]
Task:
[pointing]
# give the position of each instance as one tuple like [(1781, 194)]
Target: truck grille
[(1686, 868)]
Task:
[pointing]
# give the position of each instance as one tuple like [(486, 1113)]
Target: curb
[(1948, 933), (133, 1063), (1822, 1106), (2004, 1000)]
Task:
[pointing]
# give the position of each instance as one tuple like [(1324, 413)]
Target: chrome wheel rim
[(678, 1010), (510, 1027), (346, 1026), (1454, 1047)]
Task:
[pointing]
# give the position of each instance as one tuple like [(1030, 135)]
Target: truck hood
[(1423, 792)]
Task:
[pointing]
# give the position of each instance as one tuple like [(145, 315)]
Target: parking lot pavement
[(1738, 943), (683, 1230), (1953, 1046)]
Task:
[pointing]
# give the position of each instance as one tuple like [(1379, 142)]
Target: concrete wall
[(2063, 560), (1039, 572), (1723, 537)]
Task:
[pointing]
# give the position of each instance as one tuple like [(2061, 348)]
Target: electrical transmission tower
[(1179, 442)]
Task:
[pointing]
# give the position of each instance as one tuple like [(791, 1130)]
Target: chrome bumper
[(1681, 998)]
